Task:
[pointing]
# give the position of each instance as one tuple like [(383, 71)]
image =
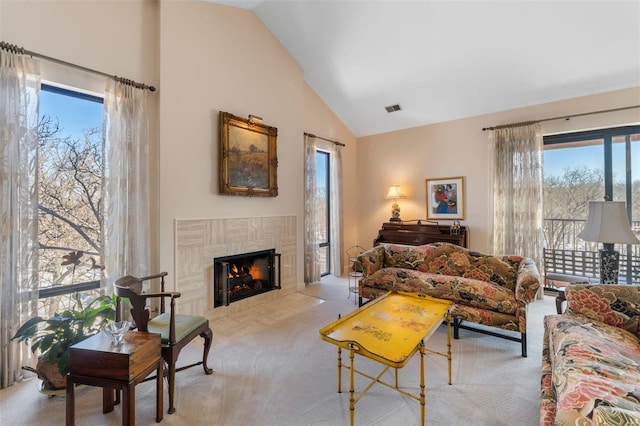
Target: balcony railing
[(568, 255)]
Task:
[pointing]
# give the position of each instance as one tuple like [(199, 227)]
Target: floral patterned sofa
[(486, 289), (591, 358)]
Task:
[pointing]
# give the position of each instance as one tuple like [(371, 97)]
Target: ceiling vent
[(393, 108)]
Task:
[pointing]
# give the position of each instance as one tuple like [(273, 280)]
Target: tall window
[(324, 202), (587, 166), (70, 170)]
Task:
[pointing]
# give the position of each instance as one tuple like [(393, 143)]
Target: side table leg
[(107, 400), (559, 299), (129, 405), (422, 401), (70, 402), (352, 401), (159, 395)]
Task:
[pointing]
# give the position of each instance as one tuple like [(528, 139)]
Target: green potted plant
[(52, 337)]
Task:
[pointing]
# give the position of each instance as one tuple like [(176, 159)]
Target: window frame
[(48, 292), (607, 135), (327, 244)]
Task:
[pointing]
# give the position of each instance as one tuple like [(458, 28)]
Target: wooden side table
[(97, 362)]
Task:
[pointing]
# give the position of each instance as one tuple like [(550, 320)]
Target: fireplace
[(244, 275)]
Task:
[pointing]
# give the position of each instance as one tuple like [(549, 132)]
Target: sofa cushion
[(468, 291), (402, 256), (449, 259), (617, 305), (593, 364)]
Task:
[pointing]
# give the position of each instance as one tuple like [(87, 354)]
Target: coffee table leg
[(422, 401), (352, 401), (339, 370), (449, 343)]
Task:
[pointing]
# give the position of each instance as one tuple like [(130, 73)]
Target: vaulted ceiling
[(444, 60)]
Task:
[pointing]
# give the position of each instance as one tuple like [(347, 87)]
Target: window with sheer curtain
[(323, 231), (120, 205), (517, 163)]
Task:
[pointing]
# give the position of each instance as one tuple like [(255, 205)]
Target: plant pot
[(49, 373)]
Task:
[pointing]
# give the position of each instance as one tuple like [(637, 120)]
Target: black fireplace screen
[(244, 275)]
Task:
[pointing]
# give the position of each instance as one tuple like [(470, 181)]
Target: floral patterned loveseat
[(591, 358), (486, 289)]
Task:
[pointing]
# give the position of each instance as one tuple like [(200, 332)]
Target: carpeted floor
[(275, 370)]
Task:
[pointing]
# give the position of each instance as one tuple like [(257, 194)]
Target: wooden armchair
[(176, 330)]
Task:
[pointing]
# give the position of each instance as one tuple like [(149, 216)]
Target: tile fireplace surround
[(199, 241)]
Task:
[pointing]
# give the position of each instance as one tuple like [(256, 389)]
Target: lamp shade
[(608, 223), (394, 192)]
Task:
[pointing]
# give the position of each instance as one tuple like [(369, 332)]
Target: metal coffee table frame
[(389, 330)]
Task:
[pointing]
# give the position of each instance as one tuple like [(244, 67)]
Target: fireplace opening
[(244, 275)]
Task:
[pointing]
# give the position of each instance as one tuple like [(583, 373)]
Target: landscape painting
[(248, 157)]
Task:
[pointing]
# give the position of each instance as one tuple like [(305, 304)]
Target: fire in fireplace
[(244, 275)]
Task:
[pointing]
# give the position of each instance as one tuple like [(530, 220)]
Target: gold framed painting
[(248, 157), (445, 198)]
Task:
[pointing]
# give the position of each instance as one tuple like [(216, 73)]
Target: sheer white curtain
[(126, 185), (311, 242), (19, 100), (517, 191)]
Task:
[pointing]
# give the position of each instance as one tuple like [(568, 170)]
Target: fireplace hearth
[(244, 275)]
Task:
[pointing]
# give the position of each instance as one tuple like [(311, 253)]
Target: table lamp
[(608, 224), (394, 194)]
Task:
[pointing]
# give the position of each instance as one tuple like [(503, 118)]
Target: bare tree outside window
[(575, 172), (70, 219)]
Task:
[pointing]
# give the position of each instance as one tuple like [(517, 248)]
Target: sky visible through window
[(75, 115), (556, 161)]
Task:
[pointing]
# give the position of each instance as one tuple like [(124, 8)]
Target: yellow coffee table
[(389, 330)]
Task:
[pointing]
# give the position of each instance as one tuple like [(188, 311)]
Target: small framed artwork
[(445, 198), (248, 157)]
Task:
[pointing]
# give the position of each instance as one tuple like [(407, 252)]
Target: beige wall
[(216, 58), (321, 121), (461, 148)]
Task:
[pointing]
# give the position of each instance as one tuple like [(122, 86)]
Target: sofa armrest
[(371, 260), (613, 304), (527, 281)]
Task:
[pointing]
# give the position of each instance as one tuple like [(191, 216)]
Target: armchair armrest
[(175, 294), (151, 277), (372, 260), (527, 281)]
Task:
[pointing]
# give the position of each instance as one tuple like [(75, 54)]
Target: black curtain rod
[(20, 50), (566, 117), (311, 135)]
